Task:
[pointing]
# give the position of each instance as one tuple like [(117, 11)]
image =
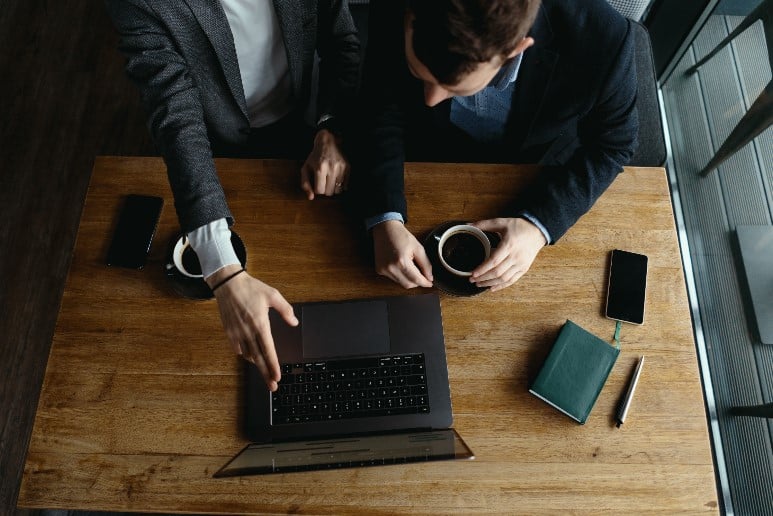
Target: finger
[(268, 349), (424, 265), (498, 256), (489, 283), (270, 383), (341, 171), (339, 181), (395, 273), (414, 275), (512, 275), (268, 354), (306, 181), (498, 271), (251, 354), (506, 279), (347, 169), (401, 279), (236, 346), (332, 182), (285, 309), (322, 176), (333, 187)]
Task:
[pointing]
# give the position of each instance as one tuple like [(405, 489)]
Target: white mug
[(180, 247), (466, 255)]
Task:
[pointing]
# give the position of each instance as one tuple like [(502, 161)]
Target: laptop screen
[(347, 452)]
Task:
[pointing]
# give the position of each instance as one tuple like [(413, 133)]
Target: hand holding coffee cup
[(462, 248)]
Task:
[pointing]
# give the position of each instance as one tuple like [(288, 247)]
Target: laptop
[(366, 377)]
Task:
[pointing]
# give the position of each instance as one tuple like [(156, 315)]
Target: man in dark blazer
[(514, 81), (229, 77)]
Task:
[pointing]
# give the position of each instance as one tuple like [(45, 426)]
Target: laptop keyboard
[(350, 388)]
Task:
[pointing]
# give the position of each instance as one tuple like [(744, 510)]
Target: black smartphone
[(134, 232), (627, 287)]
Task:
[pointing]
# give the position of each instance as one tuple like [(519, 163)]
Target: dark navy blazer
[(573, 110)]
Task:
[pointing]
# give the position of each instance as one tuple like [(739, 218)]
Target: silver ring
[(338, 185)]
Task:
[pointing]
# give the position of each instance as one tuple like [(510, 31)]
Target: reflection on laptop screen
[(357, 451)]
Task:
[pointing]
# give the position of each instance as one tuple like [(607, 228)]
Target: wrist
[(530, 217), (221, 274), (329, 124), (534, 232), (387, 225), (326, 137)]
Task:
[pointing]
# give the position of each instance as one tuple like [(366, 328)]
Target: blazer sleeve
[(175, 113), (339, 50), (377, 174), (607, 140)]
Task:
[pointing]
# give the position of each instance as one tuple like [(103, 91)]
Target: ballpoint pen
[(622, 412)]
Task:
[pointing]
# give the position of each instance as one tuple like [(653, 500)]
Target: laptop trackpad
[(342, 329)]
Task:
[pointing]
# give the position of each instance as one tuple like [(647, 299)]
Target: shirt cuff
[(371, 222), (212, 243), (534, 220)]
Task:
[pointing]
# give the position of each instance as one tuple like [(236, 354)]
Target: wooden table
[(141, 401)]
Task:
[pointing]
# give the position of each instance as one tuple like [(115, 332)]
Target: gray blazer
[(181, 55)]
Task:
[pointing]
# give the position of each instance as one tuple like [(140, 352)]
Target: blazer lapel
[(214, 23), (531, 86), (290, 15)]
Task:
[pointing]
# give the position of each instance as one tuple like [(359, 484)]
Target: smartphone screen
[(627, 287), (134, 232)]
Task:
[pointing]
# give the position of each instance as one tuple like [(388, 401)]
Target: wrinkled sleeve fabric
[(339, 51), (607, 136), (377, 177), (174, 109)]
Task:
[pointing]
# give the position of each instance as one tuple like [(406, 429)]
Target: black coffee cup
[(462, 248)]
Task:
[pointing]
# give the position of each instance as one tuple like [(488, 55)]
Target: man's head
[(457, 46)]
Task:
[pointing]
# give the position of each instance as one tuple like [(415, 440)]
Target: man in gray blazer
[(234, 77)]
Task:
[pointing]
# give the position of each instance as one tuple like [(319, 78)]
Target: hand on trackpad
[(344, 329)]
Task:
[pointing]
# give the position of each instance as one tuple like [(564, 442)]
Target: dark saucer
[(443, 279), (196, 288)]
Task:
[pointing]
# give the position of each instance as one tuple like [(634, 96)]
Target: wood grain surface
[(142, 402)]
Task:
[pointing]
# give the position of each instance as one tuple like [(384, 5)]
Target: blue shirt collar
[(506, 74)]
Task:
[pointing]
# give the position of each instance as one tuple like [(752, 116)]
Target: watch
[(330, 123)]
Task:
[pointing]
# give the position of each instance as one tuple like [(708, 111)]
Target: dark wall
[(65, 99)]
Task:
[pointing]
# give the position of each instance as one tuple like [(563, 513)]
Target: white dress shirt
[(265, 75), (262, 59)]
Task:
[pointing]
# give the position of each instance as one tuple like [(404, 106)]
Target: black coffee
[(191, 261), (463, 252)]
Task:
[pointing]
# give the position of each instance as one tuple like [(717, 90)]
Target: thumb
[(285, 309)]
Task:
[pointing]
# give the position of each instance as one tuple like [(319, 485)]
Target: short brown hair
[(450, 37)]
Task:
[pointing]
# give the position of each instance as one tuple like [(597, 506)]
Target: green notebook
[(575, 371)]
